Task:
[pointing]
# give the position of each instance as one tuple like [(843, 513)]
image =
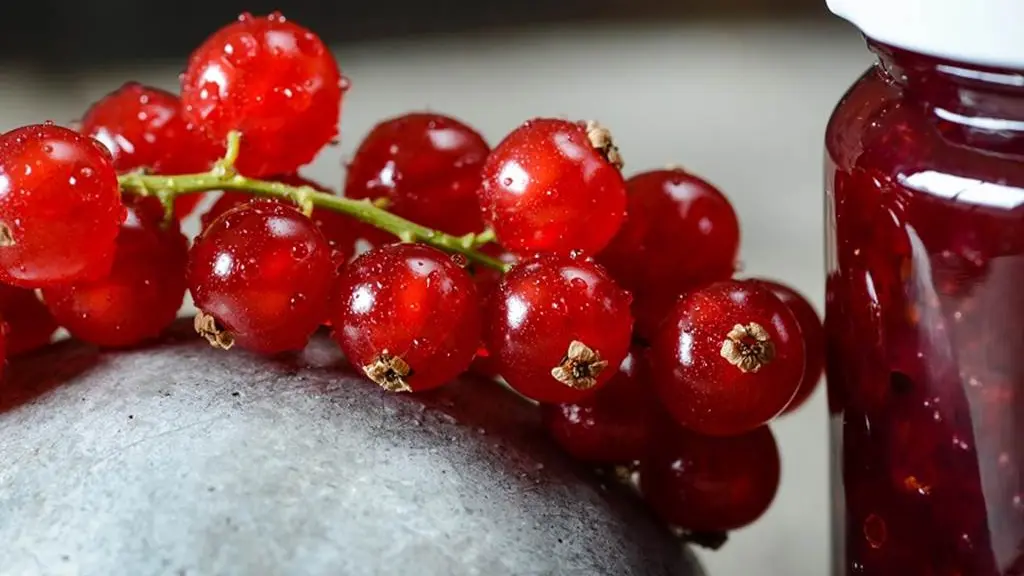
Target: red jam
[(925, 318)]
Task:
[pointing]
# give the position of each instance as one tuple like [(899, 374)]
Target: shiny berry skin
[(611, 426), (272, 80), (487, 281), (340, 231), (143, 127), (546, 188), (60, 207), (143, 292), (29, 324), (558, 326), (728, 358), (407, 316), (680, 233), (709, 484), (427, 166), (813, 335), (261, 274)]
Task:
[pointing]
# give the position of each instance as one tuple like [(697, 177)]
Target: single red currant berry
[(728, 358), (340, 230), (610, 427), (272, 80), (556, 325), (554, 186), (29, 323), (143, 127), (709, 484), (680, 233), (141, 296), (260, 276), (813, 335), (407, 316), (427, 166), (60, 207)]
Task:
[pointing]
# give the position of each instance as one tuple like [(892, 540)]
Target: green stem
[(224, 177)]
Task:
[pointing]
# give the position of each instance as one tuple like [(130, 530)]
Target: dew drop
[(875, 531), (300, 251), (245, 17), (297, 299), (578, 283), (506, 181)]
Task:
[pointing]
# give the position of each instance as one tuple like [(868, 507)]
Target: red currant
[(340, 231), (680, 233), (260, 275), (60, 207), (29, 323), (558, 327), (143, 292), (728, 358), (143, 127), (813, 335), (427, 166), (610, 427), (408, 316), (554, 186), (708, 484), (272, 80)]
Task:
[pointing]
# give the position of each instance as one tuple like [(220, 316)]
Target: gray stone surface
[(184, 460)]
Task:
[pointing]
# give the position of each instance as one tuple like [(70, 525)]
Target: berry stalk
[(224, 177)]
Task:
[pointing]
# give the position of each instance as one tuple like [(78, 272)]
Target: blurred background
[(65, 35), (738, 91)]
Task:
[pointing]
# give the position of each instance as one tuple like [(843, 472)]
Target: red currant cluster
[(528, 261)]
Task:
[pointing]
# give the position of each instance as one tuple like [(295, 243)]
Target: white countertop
[(744, 107)]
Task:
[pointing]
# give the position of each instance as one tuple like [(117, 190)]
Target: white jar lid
[(982, 32)]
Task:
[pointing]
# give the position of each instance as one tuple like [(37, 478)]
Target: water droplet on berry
[(49, 123), (300, 251), (574, 254), (297, 299), (460, 260), (875, 531), (245, 17)]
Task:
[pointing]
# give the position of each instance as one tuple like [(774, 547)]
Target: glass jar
[(925, 302)]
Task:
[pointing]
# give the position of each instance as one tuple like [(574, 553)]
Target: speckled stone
[(184, 460)]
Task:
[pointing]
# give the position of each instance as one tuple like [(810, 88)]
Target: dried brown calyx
[(207, 327), (748, 347), (601, 139), (389, 372), (6, 237), (580, 367)]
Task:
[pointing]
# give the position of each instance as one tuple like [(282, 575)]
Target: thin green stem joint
[(224, 177)]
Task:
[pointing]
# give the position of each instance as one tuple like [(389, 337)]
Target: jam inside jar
[(925, 318)]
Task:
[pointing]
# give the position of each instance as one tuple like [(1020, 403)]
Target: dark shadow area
[(62, 36), (33, 375)]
